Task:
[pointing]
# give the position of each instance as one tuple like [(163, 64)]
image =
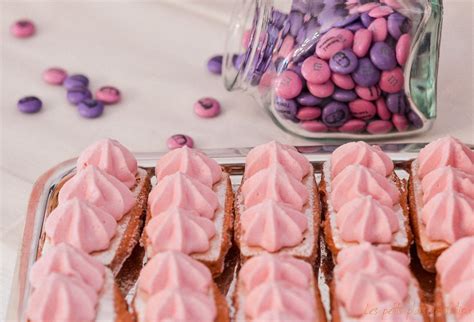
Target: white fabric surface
[(155, 52)]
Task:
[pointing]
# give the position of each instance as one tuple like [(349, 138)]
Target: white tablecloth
[(155, 52)]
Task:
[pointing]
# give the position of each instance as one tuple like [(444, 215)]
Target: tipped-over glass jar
[(349, 69)]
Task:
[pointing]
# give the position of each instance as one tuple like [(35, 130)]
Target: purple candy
[(355, 26), (286, 28), (29, 104), (347, 20), (296, 22), (76, 95), (335, 114), (306, 99), (383, 56), (396, 103), (366, 74), (214, 64), (366, 19), (397, 25), (237, 60), (90, 108), (343, 95), (77, 80), (286, 108), (344, 62), (415, 120)]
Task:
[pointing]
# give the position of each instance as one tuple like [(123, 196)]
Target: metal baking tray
[(232, 159)]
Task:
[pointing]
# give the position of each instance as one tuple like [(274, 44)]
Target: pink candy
[(362, 42), (391, 81), (400, 122), (353, 126), (288, 85), (402, 50), (207, 107), (368, 93), (333, 41), (379, 127), (367, 7), (23, 29), (307, 113), (362, 109), (314, 126), (286, 46), (315, 70), (321, 90), (382, 109), (343, 81), (178, 141), (379, 29), (380, 12), (54, 76), (108, 95)]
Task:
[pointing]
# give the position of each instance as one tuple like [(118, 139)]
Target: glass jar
[(347, 69)]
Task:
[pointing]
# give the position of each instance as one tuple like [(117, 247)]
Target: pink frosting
[(272, 225), (366, 219), (267, 268), (377, 261), (262, 156), (82, 225), (274, 183), (445, 151), (448, 216), (357, 181), (172, 269), (68, 261), (112, 157), (180, 190), (192, 162), (280, 296), (181, 230), (100, 189), (455, 265), (447, 178), (62, 298), (361, 153), (180, 305)]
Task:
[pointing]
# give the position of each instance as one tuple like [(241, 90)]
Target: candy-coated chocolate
[(343, 81), (314, 126), (315, 70), (77, 80), (383, 56), (286, 108), (397, 104), (402, 50), (306, 99), (207, 107), (353, 126), (333, 41), (286, 46), (308, 113), (214, 64), (367, 7), (288, 85), (54, 76), (415, 120), (355, 26), (381, 11), (397, 24), (343, 95), (177, 141), (379, 127), (29, 104), (366, 19), (23, 28), (362, 42), (362, 109), (321, 90), (368, 93), (90, 108), (391, 81), (382, 109), (343, 62), (366, 74), (296, 22), (108, 95), (379, 29), (400, 122), (76, 95), (335, 114)]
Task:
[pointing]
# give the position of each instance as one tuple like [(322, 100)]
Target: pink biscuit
[(321, 90), (288, 85), (308, 113), (382, 109), (380, 12), (400, 122), (368, 93), (54, 75), (333, 41), (391, 81), (362, 109), (402, 50), (286, 46), (367, 7), (343, 81), (379, 29), (353, 126), (379, 127), (314, 126), (362, 41), (23, 29), (315, 70)]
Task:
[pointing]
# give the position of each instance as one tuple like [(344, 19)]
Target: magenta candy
[(343, 81), (402, 50), (108, 95), (321, 90), (400, 122), (207, 107), (379, 29), (54, 76), (333, 41), (178, 141), (368, 93), (362, 109), (288, 85), (367, 7), (353, 126), (382, 109), (23, 28), (379, 127), (314, 126), (391, 81), (315, 70), (362, 42), (381, 11), (286, 46), (308, 113)]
